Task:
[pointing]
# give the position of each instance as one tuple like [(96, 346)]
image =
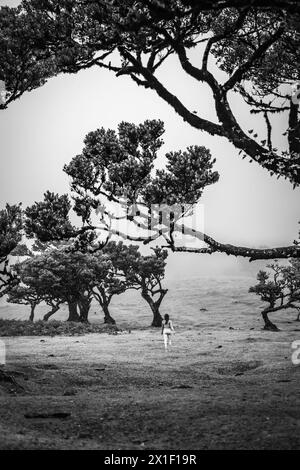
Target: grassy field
[(224, 385)]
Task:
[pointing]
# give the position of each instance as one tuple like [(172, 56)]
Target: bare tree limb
[(240, 72)]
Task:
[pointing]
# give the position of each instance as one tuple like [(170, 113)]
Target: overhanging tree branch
[(212, 245), (260, 51)]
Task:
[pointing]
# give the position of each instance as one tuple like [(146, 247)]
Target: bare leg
[(166, 342)]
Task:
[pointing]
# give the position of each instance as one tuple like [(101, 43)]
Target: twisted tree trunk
[(32, 309), (73, 315), (107, 316), (8, 279), (268, 324), (155, 305), (104, 300), (84, 308), (52, 312), (157, 318)]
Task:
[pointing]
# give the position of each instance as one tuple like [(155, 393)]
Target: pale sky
[(44, 129)]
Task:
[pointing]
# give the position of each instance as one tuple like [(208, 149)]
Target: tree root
[(271, 327)]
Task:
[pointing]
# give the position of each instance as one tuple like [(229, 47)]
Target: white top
[(167, 326)]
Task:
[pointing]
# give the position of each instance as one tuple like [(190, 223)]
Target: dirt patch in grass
[(238, 367)]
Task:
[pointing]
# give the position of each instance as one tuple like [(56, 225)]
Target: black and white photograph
[(150, 228)]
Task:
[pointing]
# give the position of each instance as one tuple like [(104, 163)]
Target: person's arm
[(162, 328), (171, 326)]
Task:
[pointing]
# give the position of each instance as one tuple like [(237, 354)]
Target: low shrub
[(52, 328)]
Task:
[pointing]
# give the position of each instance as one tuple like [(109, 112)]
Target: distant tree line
[(62, 276)]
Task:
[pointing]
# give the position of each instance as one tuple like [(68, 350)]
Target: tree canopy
[(142, 273), (147, 274), (48, 220), (118, 167), (10, 229), (280, 288), (45, 221), (62, 275), (25, 295), (10, 237), (256, 43)]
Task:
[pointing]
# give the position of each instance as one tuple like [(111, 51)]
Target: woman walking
[(167, 330)]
